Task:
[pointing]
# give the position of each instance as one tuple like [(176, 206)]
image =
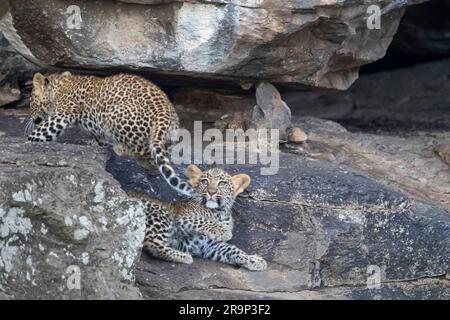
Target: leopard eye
[(222, 182), (204, 181)]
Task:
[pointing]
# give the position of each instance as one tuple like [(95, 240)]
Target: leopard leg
[(100, 140), (205, 227), (145, 161), (161, 250), (160, 235), (50, 129), (224, 252), (122, 150)]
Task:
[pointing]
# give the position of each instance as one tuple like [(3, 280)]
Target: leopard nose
[(212, 191)]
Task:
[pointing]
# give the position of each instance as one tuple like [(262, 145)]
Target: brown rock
[(302, 43), (443, 150), (297, 135)]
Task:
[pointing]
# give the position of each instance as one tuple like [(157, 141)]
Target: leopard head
[(215, 188), (43, 94)]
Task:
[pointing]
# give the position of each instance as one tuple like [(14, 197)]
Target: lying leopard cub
[(199, 227)]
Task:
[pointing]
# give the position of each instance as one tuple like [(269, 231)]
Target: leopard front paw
[(255, 263), (226, 236), (119, 150), (187, 259), (35, 139)]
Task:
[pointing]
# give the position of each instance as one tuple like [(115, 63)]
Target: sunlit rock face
[(294, 43)]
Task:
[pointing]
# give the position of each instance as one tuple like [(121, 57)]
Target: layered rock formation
[(67, 230), (296, 43)]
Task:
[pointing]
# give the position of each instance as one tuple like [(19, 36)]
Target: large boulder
[(296, 43), (67, 230)]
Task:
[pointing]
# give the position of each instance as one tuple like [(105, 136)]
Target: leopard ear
[(66, 74), (39, 82), (240, 182), (194, 174)]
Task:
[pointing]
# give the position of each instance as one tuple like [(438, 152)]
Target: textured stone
[(60, 214), (271, 112), (295, 43), (14, 69), (319, 226), (324, 224), (297, 135), (424, 30), (9, 90), (443, 150)]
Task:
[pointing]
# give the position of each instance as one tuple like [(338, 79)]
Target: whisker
[(29, 127)]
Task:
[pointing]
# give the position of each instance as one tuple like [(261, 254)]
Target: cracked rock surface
[(324, 229), (340, 219), (294, 43), (67, 230)]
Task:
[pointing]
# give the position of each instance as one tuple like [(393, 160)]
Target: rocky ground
[(358, 214), (358, 211)]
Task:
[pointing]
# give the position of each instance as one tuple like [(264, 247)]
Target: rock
[(348, 229), (406, 163), (9, 90), (411, 99), (303, 43), (443, 150), (297, 135), (327, 232), (211, 104), (424, 30), (63, 218), (238, 120), (15, 70), (270, 111)]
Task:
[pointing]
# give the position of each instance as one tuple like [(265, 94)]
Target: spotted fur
[(125, 111), (200, 227)]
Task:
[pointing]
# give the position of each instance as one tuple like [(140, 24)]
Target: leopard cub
[(126, 111), (200, 227)]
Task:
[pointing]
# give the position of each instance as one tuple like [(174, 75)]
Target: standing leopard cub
[(125, 111), (201, 226)]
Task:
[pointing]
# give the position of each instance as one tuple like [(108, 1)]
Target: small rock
[(443, 150), (271, 111), (246, 85), (297, 135), (9, 90)]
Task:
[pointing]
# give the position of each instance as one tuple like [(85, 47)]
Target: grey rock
[(424, 30), (443, 150), (324, 229), (399, 127), (15, 71), (410, 99), (271, 112), (328, 229), (62, 215), (302, 43), (9, 90), (319, 227)]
